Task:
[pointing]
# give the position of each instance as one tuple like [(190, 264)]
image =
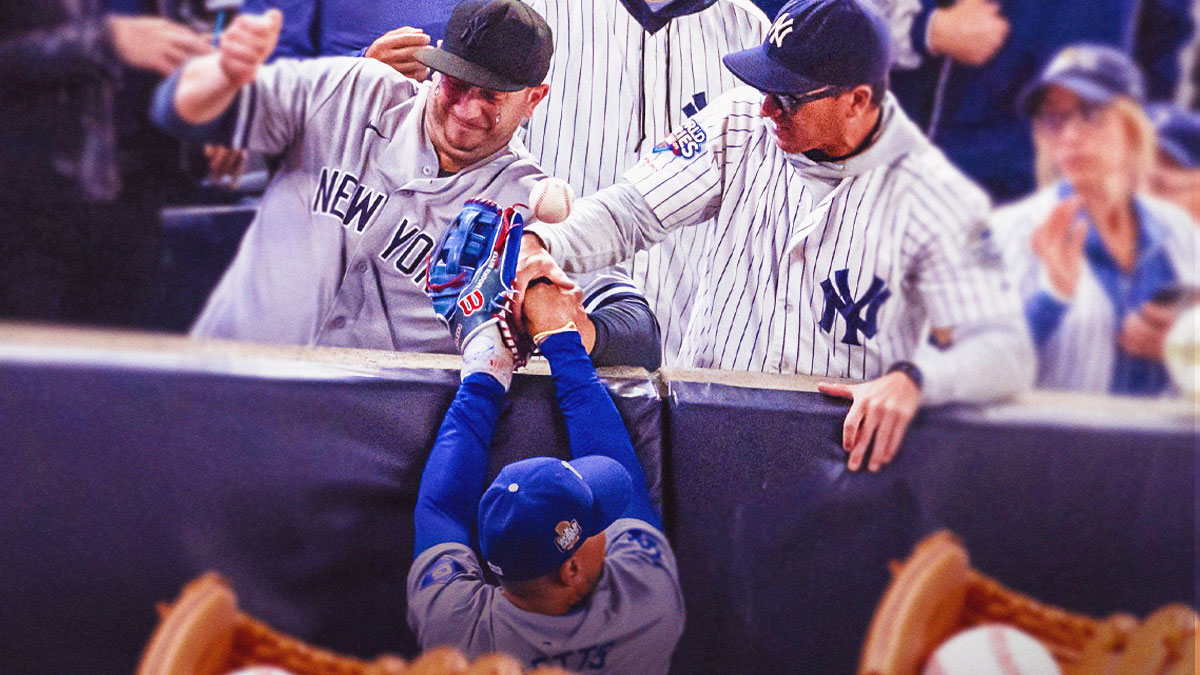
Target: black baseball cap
[(1095, 73), (814, 44), (502, 45)]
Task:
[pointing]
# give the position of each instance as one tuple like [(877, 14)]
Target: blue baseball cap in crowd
[(1095, 73), (1178, 133), (814, 44), (539, 511)]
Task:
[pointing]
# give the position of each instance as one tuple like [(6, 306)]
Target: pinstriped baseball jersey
[(820, 268), (337, 253), (616, 88)]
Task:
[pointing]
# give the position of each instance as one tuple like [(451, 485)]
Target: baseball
[(551, 200), (991, 649), (1182, 352)]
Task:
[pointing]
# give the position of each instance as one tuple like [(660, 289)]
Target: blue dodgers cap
[(539, 511), (1178, 133), (814, 44), (1095, 73)]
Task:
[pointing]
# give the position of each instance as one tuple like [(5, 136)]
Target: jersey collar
[(652, 20)]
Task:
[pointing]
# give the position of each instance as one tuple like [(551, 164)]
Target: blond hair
[(1139, 130)]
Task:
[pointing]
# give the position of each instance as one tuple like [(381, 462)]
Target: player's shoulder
[(640, 542), (745, 9), (1017, 220), (945, 191), (742, 102)]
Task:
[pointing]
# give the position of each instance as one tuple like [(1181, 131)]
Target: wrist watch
[(910, 369)]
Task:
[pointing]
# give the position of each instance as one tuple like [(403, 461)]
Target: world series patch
[(686, 143)]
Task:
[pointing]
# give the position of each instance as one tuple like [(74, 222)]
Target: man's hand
[(398, 49), (1144, 332), (1059, 244), (224, 164), (882, 410), (548, 307), (970, 31), (247, 43), (535, 262), (154, 43)]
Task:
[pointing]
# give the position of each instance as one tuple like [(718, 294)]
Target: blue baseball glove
[(471, 273)]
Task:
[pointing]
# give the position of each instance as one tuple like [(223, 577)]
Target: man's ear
[(535, 96), (568, 571), (860, 100)]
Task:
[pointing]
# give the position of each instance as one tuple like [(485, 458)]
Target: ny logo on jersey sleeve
[(839, 300)]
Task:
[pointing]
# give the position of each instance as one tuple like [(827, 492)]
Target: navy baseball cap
[(1178, 133), (539, 511), (814, 44), (502, 45), (1095, 73)]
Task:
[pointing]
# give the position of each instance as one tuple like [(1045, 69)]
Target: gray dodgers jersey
[(337, 254), (629, 626)]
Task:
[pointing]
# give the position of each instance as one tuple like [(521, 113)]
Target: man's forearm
[(985, 363), (455, 470), (602, 230), (594, 427), (204, 92), (627, 334)]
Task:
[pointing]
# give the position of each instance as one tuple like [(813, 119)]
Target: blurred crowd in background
[(84, 175)]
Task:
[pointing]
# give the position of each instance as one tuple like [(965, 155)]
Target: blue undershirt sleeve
[(627, 334), (448, 499), (594, 427)]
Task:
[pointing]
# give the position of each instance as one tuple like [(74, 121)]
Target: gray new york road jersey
[(337, 254), (630, 624)]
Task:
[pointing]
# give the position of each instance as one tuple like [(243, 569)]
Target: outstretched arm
[(448, 499), (594, 427)]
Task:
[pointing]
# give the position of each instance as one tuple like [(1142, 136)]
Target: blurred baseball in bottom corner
[(991, 649), (1182, 352), (551, 200)]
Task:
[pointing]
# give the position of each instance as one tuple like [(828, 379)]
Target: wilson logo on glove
[(470, 303), (471, 271)]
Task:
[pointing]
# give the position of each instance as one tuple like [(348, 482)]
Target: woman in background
[(1103, 269)]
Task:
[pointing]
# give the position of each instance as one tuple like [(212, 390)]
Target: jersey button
[(427, 171), (338, 322), (361, 267)]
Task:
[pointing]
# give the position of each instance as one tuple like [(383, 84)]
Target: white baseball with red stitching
[(551, 200)]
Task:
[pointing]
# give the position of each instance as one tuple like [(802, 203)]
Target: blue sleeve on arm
[(627, 334), (448, 499), (164, 116), (594, 427), (1044, 313)]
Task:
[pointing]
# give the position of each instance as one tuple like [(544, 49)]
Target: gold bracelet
[(570, 326)]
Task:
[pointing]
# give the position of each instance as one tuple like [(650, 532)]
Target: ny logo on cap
[(780, 29), (473, 28), (839, 300)]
